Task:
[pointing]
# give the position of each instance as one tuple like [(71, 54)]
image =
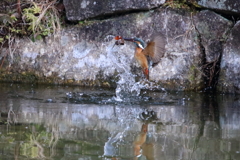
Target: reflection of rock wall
[(179, 132), (229, 121), (111, 118)]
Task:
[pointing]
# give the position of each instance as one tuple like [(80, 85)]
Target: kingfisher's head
[(139, 43)]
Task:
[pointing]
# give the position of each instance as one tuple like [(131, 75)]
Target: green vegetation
[(35, 19), (189, 5), (176, 4), (42, 20), (192, 74), (27, 18)]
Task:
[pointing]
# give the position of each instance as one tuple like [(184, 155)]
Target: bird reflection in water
[(143, 147), (139, 143)]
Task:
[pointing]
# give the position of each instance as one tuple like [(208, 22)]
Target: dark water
[(72, 123)]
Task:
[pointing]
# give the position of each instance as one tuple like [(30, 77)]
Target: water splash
[(127, 87)]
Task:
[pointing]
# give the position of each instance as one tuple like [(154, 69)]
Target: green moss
[(28, 76), (192, 73), (195, 4), (87, 22), (193, 82), (195, 78), (10, 76), (177, 4), (101, 80), (85, 146)]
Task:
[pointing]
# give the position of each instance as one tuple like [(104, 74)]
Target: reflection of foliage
[(39, 140), (7, 139), (11, 116)]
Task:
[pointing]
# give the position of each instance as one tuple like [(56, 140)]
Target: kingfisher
[(146, 55)]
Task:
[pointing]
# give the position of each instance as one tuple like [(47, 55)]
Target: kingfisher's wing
[(155, 48)]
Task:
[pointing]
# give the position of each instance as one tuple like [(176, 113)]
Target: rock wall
[(201, 51), (229, 80), (227, 6), (85, 9)]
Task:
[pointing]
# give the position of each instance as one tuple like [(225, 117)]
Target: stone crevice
[(209, 70)]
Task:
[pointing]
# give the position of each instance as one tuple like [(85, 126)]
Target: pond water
[(74, 123)]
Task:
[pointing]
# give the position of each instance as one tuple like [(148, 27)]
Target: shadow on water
[(56, 122)]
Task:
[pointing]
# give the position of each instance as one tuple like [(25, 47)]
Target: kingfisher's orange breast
[(141, 58)]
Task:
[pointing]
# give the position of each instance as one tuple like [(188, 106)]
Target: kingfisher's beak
[(129, 39)]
